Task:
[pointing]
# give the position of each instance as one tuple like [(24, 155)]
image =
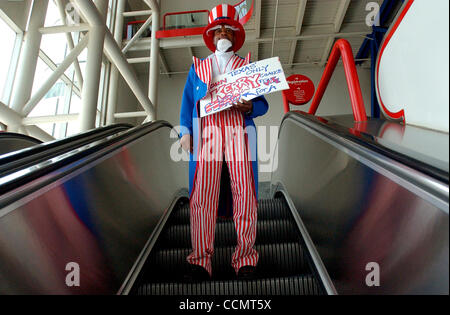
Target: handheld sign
[(247, 82)]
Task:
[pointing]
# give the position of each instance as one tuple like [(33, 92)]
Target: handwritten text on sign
[(247, 82)]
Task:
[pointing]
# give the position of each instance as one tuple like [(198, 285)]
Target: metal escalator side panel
[(23, 158), (98, 212), (360, 209), (57, 161)]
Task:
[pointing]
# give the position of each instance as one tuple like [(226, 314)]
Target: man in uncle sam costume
[(223, 169)]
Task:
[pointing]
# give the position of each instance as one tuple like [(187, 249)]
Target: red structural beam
[(342, 49), (192, 31), (285, 102)]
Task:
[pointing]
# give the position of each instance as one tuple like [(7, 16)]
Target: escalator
[(284, 267), (11, 141), (118, 208)]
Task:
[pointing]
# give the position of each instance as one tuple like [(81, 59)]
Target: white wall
[(414, 67), (335, 101), (126, 102)]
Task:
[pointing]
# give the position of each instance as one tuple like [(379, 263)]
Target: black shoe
[(196, 273), (247, 273)]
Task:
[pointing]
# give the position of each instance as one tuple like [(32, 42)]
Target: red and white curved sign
[(412, 73)]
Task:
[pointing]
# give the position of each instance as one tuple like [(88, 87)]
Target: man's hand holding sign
[(244, 106)]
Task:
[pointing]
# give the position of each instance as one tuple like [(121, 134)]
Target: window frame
[(6, 93)]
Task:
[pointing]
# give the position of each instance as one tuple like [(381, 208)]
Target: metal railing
[(342, 49), (196, 13)]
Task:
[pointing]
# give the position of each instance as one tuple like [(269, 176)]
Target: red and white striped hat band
[(223, 11)]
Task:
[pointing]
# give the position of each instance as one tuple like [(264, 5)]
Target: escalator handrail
[(13, 135), (51, 144), (429, 177), (91, 152), (20, 159)]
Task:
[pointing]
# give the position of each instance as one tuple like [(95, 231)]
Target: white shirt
[(221, 62)]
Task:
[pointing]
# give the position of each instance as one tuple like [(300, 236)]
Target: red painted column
[(342, 48)]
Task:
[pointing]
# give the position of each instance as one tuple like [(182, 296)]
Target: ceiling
[(300, 32)]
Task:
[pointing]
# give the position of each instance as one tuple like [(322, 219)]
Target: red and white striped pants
[(223, 135)]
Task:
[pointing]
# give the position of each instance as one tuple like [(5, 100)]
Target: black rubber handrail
[(370, 143), (21, 159), (91, 152), (13, 135)]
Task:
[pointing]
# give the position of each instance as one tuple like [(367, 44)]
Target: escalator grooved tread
[(171, 265), (267, 209), (283, 267), (306, 285), (178, 236)]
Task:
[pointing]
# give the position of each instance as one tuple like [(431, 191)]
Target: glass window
[(43, 72), (6, 52), (75, 104), (82, 58), (97, 119), (54, 46), (109, 14), (73, 127), (52, 103), (53, 17), (52, 100), (62, 98)]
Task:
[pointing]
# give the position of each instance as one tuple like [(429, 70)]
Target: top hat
[(224, 14)]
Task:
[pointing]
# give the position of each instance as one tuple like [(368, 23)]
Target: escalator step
[(268, 209), (283, 267), (275, 260), (178, 236), (300, 285)]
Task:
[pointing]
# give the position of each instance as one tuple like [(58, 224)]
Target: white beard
[(223, 45)]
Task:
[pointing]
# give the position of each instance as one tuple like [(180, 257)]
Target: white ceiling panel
[(309, 51), (286, 14), (357, 11), (320, 27), (320, 12)]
